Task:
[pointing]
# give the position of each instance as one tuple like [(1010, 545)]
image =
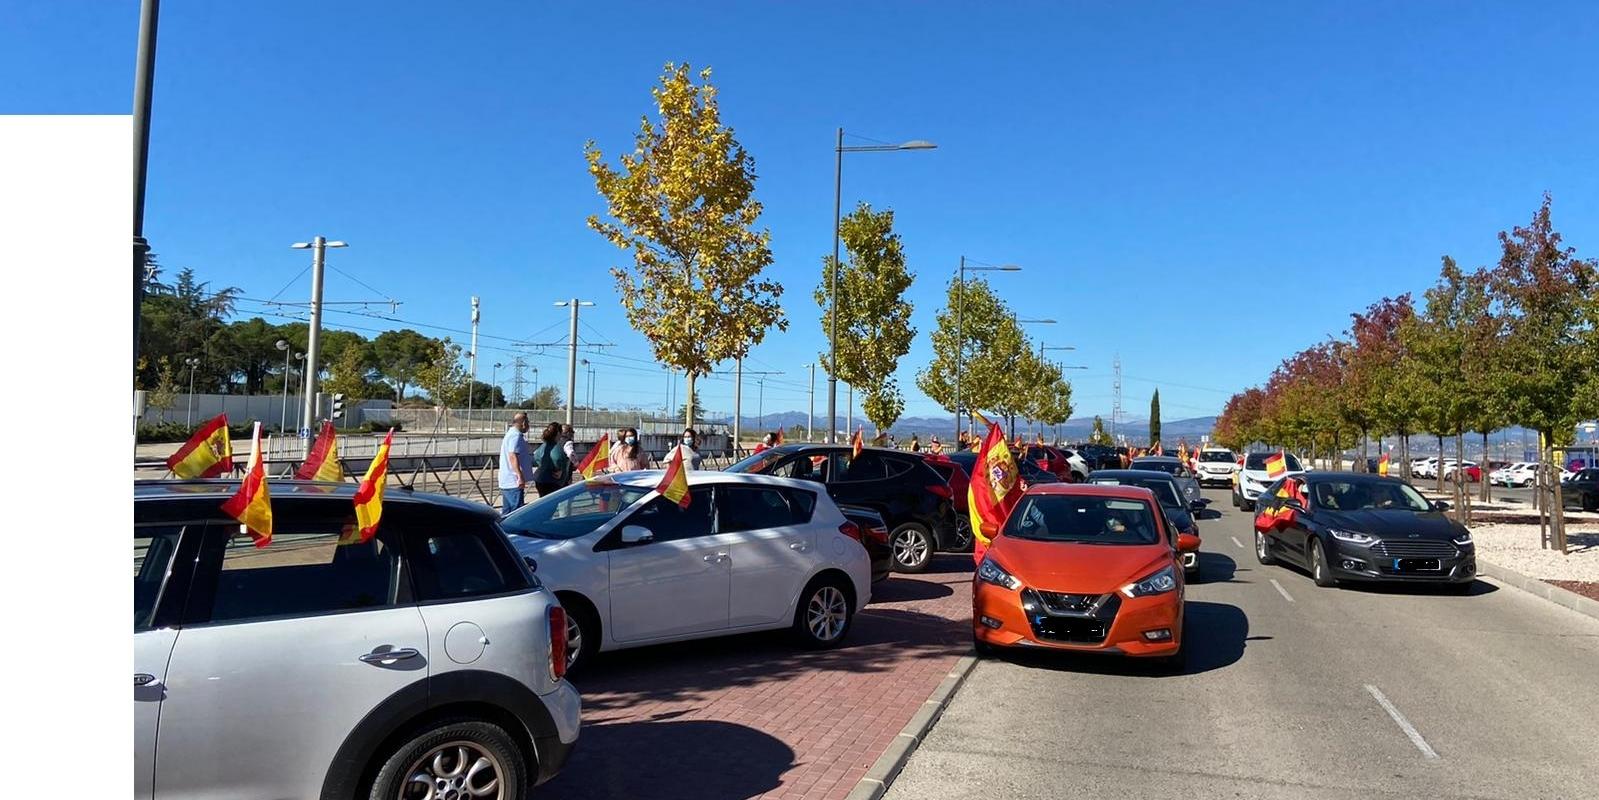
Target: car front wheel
[(1263, 549), (463, 758), (912, 548), (1320, 571)]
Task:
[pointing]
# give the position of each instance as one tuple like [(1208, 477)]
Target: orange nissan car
[(1083, 567)]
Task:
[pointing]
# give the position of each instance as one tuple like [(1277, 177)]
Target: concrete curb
[(1550, 592), (887, 767)]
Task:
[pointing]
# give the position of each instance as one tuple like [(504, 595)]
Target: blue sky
[(1201, 188)]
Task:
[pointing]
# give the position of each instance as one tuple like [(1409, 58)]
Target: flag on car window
[(599, 455), (1277, 465), (857, 441), (323, 462), (1382, 465), (994, 489), (674, 484), (369, 495), (207, 454), (251, 505)]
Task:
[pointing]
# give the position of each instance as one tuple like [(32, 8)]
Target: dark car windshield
[(573, 511), (1170, 467), (1257, 461), (1163, 489), (1368, 495), (1084, 519), (1217, 456), (759, 463)]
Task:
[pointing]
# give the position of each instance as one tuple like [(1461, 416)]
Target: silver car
[(1175, 467), (419, 662)]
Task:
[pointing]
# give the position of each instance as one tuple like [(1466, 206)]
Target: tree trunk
[(1462, 495), (688, 406), (1404, 456), (1487, 491), (1557, 503), (1365, 449), (1440, 469)]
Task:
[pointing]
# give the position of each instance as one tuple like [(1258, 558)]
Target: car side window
[(869, 467), (309, 568), (670, 522), (748, 508), (454, 559), (802, 503), (801, 467), (153, 549), (898, 466)]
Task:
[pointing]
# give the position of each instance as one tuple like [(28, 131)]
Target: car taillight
[(942, 490), (878, 535), (851, 530), (557, 642)]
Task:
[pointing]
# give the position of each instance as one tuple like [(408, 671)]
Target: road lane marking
[(1404, 724), (1282, 591), (1235, 541)]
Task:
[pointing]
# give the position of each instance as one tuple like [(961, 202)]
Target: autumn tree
[(873, 318), (682, 204), (1375, 370)]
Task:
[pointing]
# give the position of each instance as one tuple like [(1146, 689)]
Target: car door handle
[(715, 558), (143, 679), (376, 657), (799, 547)]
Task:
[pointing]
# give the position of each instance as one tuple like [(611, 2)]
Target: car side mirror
[(1197, 506), (1187, 543), (1440, 505), (636, 534)]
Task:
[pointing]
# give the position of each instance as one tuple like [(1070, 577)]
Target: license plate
[(1416, 564)]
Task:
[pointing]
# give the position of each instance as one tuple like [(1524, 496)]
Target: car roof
[(1166, 459), (813, 447), (1131, 473), (1092, 490), (222, 488), (650, 478), (1346, 477)]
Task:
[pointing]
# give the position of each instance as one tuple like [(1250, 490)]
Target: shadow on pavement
[(899, 589), (1478, 589), (701, 760), (946, 563), (1214, 633), (1216, 568)]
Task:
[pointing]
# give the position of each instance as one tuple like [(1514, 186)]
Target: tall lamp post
[(832, 278), (300, 358), (960, 330), (313, 349), (283, 414), (496, 380), (192, 364), (810, 409)]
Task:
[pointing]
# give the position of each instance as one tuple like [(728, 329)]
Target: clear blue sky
[(1250, 172)]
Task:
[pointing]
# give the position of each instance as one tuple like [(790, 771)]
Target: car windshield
[(1169, 467), (1217, 456), (1083, 519), (1163, 489), (1257, 461), (759, 463), (573, 511), (1368, 495)]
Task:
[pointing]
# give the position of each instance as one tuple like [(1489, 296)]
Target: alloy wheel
[(911, 548), (458, 770), (574, 639), (1261, 548), (826, 614)]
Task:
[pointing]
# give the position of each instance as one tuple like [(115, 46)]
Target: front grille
[(1415, 548), (1070, 618)]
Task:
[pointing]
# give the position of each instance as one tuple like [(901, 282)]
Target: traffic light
[(338, 405)]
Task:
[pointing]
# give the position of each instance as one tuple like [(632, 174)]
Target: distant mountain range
[(1078, 429)]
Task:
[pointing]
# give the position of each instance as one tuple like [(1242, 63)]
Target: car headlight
[(1464, 540), (990, 572), (1353, 537), (1159, 583)]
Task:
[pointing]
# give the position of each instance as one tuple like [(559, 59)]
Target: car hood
[(536, 547), (1390, 524), (1077, 568)]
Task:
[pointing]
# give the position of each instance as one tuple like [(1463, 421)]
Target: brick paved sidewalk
[(754, 716)]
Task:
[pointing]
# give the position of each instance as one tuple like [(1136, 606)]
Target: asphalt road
[(1287, 694)]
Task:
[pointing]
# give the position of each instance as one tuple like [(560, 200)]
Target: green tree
[(686, 412), (683, 205), (443, 376), (1375, 375), (873, 316), (164, 394), (1154, 417), (883, 405), (183, 324), (400, 354), (1098, 435), (544, 397), (351, 374)]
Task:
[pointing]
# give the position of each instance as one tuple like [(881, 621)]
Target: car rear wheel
[(912, 548), (824, 615), (1590, 502), (1263, 549), (582, 633), (1320, 572), (463, 758)]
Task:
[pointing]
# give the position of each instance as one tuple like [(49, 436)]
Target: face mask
[(631, 441), (688, 440)]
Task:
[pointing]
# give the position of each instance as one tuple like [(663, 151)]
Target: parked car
[(1098, 456), (1176, 468), (1521, 473), (1030, 473), (874, 537), (1424, 467), (1079, 465), (1084, 568), (959, 484), (1366, 528), (1584, 487), (1058, 462), (1179, 512), (1452, 470), (426, 649), (914, 499), (749, 552), (1252, 478), (1217, 466)]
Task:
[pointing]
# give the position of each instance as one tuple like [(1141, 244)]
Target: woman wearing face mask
[(627, 456), (691, 456)]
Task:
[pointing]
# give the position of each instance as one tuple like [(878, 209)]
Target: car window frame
[(513, 562), (728, 490), (612, 540), (173, 595)]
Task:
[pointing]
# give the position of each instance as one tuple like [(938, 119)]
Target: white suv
[(748, 553), (1252, 479), (1521, 473), (310, 668), (1216, 466)]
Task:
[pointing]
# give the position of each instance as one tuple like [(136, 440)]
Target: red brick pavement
[(754, 716)]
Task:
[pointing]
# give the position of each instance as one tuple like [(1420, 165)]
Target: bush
[(179, 432)]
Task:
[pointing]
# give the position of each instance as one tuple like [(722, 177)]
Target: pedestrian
[(552, 467), (916, 444), (691, 456), (628, 455), (516, 464), (767, 442), (935, 447)]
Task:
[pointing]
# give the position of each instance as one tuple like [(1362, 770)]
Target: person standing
[(767, 442), (627, 455), (552, 467), (691, 456), (516, 464), (916, 443)]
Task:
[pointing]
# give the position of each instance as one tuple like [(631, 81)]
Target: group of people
[(552, 463)]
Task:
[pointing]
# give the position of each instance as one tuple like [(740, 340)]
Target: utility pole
[(1116, 395), (517, 381), (143, 91), (471, 384), (318, 247), (738, 397), (571, 354), (810, 410)]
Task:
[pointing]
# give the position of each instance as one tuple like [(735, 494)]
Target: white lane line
[(1282, 591), (1404, 724), (1235, 541)]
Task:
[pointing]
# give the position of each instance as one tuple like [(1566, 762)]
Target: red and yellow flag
[(856, 442), (323, 462), (207, 454), (779, 435), (674, 484), (1382, 465), (994, 489), (1277, 465), (251, 505), (599, 456), (369, 495)]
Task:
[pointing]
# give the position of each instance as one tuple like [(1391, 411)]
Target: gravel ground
[(1587, 589), (1514, 545)]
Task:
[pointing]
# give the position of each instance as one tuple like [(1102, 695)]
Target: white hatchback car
[(1521, 473), (749, 553)]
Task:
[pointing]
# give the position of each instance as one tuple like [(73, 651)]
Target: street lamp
[(299, 358), (318, 247), (496, 381), (832, 280), (960, 331), (810, 410), (191, 363), (283, 415)]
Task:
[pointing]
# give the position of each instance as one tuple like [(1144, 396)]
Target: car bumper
[(1000, 619), (1215, 478), (1250, 492), (1190, 561), (1354, 563), (566, 710)]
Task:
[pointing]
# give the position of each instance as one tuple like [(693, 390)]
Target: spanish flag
[(252, 504), (323, 463), (994, 489), (856, 442), (1277, 465), (779, 436), (597, 459), (1382, 465), (207, 454), (674, 484), (369, 495)]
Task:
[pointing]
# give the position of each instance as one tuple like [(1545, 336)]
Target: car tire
[(825, 614), (451, 752), (1247, 505), (1590, 502), (584, 624), (1263, 552), (1176, 663), (981, 648), (911, 548), (1320, 570)]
